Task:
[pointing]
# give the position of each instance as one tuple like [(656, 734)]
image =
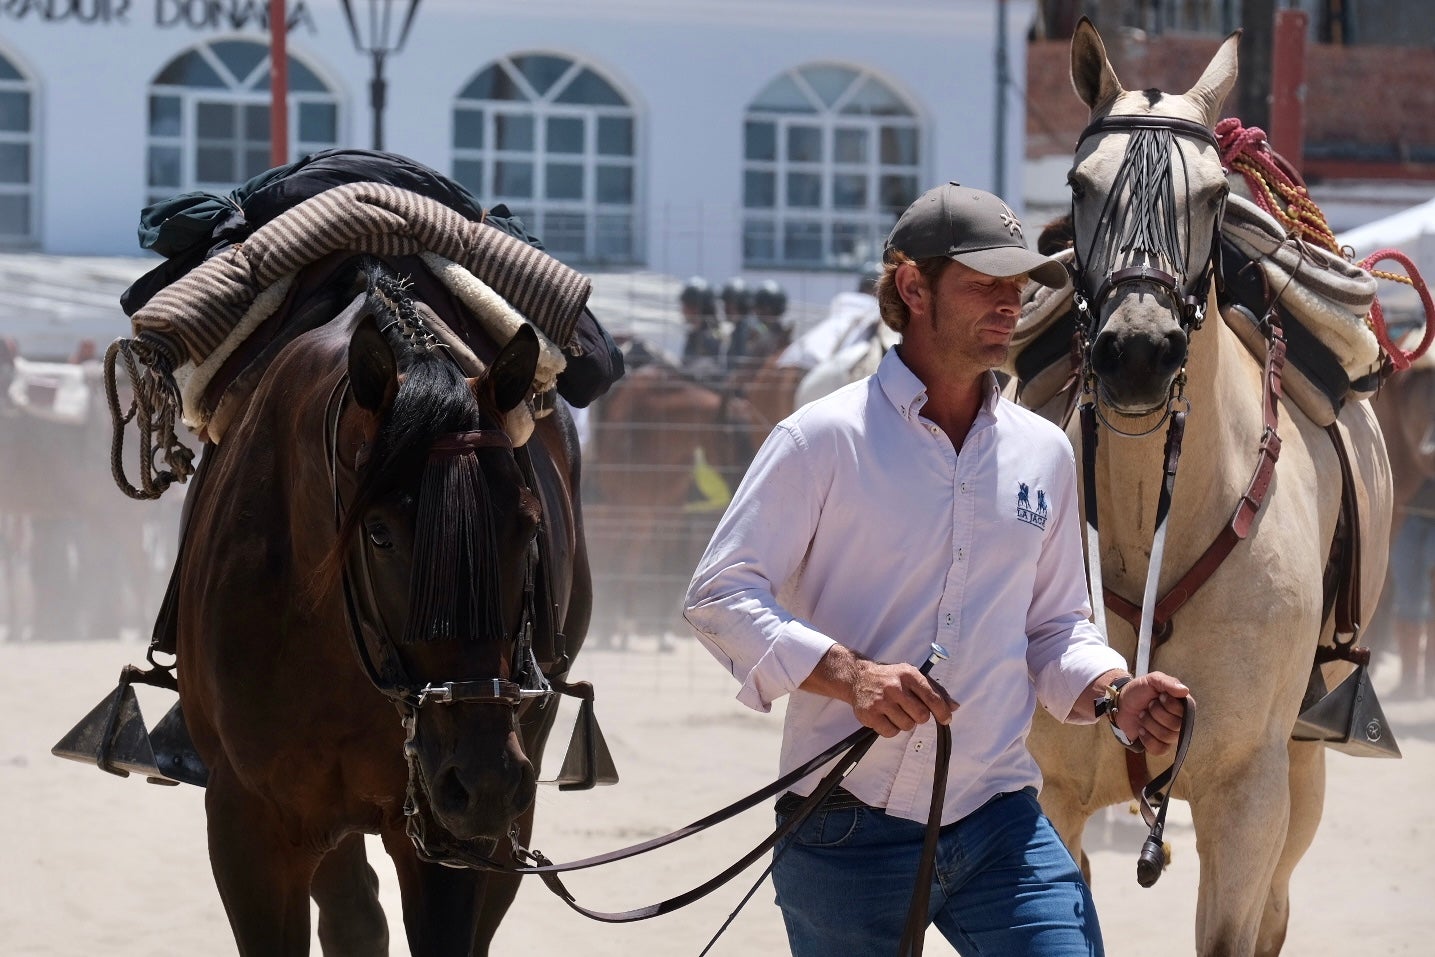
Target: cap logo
[(1010, 221)]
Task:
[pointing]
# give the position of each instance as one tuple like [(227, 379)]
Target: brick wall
[(1370, 111)]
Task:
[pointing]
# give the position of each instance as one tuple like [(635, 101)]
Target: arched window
[(831, 156), (209, 117), (17, 156), (557, 143)]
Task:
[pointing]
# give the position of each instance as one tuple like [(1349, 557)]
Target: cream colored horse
[(1245, 642)]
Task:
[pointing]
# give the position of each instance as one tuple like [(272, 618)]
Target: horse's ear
[(1091, 73), (511, 375), (373, 370), (1211, 90)]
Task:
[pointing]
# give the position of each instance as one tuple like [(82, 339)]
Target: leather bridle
[(375, 647), (1190, 305)]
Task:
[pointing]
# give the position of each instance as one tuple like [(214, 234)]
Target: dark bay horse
[(357, 607)]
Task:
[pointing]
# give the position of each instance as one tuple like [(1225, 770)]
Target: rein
[(847, 753)]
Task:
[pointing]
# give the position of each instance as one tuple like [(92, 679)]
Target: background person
[(968, 503), (702, 343)]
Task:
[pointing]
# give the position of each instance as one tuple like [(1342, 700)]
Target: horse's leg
[(440, 903), (1241, 813), (1069, 818), (263, 877), (56, 611), (1307, 793), (351, 921)]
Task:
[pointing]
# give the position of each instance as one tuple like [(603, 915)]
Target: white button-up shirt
[(859, 522)]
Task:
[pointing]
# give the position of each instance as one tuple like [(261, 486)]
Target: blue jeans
[(1004, 884)]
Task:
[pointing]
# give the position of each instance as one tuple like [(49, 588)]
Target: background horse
[(1246, 641), (366, 455), (666, 451)]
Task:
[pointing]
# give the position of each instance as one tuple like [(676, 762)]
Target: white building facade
[(716, 137)]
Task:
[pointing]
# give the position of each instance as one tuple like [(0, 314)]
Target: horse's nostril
[(1172, 353), (1105, 355), (449, 790)]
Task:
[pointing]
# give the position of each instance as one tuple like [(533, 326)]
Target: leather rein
[(846, 753), (375, 651)]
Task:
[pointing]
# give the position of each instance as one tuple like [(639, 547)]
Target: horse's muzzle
[(480, 799), (1136, 366)]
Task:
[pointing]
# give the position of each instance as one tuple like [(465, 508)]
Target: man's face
[(968, 321)]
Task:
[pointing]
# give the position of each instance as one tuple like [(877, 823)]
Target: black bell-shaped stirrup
[(113, 737), (1347, 718), (588, 762), (174, 751)]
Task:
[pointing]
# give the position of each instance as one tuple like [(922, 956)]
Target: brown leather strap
[(1246, 510), (1138, 775), (1347, 557)]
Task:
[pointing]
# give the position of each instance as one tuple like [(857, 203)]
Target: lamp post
[(373, 32)]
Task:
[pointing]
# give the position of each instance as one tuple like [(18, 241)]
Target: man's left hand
[(1150, 711)]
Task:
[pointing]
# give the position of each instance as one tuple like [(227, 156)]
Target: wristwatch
[(1110, 703)]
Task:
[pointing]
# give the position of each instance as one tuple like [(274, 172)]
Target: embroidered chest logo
[(1024, 510), (1010, 221)]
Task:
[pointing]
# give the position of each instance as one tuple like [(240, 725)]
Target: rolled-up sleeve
[(1065, 651), (758, 545)]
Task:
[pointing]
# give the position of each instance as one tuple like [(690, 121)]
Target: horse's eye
[(1077, 190), (379, 535)]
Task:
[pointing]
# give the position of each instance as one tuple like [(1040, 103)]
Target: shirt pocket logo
[(1025, 511)]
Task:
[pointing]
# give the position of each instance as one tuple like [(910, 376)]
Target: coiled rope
[(154, 407), (1277, 188)]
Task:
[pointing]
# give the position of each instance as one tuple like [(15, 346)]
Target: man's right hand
[(889, 699)]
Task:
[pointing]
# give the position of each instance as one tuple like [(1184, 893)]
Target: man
[(702, 343), (888, 515)]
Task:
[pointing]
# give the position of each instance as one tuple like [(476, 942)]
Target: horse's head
[(1148, 192), (437, 549)]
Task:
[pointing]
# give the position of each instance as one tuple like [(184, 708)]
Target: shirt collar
[(908, 395)]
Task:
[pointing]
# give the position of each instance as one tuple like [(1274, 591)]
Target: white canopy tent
[(1410, 231)]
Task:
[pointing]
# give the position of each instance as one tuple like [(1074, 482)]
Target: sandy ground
[(99, 865)]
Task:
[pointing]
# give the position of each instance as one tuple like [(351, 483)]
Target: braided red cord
[(1275, 185), (1399, 358), (1244, 149)]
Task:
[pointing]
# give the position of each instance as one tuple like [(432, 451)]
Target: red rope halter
[(1278, 189)]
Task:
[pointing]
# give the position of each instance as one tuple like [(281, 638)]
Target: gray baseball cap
[(976, 229)]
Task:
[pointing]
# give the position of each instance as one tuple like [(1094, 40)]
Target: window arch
[(831, 156), (17, 156), (209, 117), (557, 142)]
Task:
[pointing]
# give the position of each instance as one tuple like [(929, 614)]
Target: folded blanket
[(1330, 296), (205, 315)]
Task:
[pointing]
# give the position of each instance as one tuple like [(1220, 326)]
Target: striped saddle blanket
[(192, 328)]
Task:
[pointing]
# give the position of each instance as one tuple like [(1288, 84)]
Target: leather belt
[(839, 799)]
